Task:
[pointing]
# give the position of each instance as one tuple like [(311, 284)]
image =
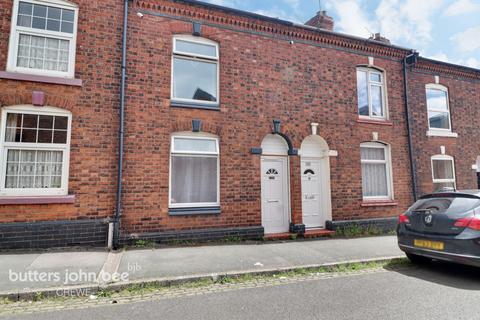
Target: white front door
[(312, 207), (275, 200)]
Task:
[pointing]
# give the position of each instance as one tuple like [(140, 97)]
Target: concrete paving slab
[(52, 269), (170, 262)]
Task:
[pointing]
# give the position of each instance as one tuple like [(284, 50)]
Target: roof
[(427, 63)]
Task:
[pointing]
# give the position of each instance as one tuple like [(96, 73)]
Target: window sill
[(37, 199), (193, 211), (448, 134), (38, 78), (375, 121), (378, 203), (194, 105)]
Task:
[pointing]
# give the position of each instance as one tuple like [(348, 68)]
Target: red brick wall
[(261, 79), (94, 112), (464, 101)]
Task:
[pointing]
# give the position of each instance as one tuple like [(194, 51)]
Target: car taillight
[(470, 222), (403, 218)]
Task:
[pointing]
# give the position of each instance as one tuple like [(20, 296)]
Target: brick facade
[(94, 107), (269, 70), (262, 77), (464, 101)]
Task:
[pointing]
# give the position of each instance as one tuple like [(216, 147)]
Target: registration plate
[(435, 245)]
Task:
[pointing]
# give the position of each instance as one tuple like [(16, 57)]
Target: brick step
[(317, 233), (279, 236)]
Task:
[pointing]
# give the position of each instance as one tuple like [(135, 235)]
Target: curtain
[(12, 120), (34, 169), (374, 179), (194, 179), (374, 173), (43, 53)]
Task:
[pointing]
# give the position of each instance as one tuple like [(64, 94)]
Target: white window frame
[(15, 32), (439, 131), (195, 57), (381, 84), (5, 146), (388, 164), (173, 152), (443, 157)]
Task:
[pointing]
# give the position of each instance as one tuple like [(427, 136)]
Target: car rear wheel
[(416, 259)]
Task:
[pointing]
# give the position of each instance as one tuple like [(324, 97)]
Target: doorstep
[(318, 233)]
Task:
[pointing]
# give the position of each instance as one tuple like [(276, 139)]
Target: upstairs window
[(194, 171), (195, 72), (35, 151), (376, 171), (42, 38), (443, 172), (438, 108), (371, 93)]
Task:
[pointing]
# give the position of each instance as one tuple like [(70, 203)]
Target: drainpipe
[(118, 205), (410, 60)]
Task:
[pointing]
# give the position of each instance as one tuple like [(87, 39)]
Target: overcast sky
[(447, 30)]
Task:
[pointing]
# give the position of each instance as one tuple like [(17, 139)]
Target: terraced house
[(216, 122)]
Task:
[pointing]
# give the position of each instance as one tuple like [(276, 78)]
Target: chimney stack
[(321, 20), (378, 37)]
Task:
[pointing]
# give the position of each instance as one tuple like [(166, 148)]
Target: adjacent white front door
[(275, 201), (313, 193)]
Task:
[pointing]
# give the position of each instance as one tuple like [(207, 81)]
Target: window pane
[(194, 179), (53, 25), (196, 48), (45, 133), (45, 17), (30, 120), (61, 123), (442, 169), (25, 8), (195, 80), (362, 93), (195, 145), (59, 136), (42, 53), (67, 27), (33, 169), (24, 21), (438, 120), (372, 153), (44, 136), (437, 99), (442, 186), (45, 122), (375, 77), (377, 101), (374, 180), (54, 13), (40, 11), (38, 23), (68, 15)]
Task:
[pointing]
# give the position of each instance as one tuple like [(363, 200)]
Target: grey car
[(443, 226)]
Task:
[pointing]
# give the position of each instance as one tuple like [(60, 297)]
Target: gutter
[(410, 60), (121, 131)]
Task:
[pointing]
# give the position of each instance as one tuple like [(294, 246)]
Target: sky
[(446, 30)]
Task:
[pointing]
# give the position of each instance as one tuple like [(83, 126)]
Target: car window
[(446, 205)]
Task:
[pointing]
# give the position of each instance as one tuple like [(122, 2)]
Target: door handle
[(272, 200)]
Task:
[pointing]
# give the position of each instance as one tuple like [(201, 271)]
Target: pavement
[(437, 291), (24, 274)]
